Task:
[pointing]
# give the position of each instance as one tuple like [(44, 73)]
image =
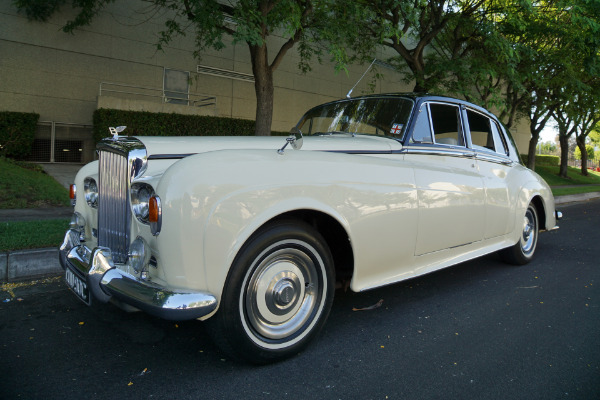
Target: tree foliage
[(538, 59), (214, 24), (590, 152)]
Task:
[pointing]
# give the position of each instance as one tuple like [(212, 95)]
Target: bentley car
[(251, 234)]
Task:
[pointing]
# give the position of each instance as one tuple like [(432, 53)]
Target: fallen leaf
[(130, 383), (374, 306)]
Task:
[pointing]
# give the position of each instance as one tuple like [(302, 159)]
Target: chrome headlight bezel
[(90, 191), (140, 198)]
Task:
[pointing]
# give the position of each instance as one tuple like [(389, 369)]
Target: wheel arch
[(335, 235), (331, 228), (538, 203)]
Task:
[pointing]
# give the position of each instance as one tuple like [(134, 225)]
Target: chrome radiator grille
[(114, 213)]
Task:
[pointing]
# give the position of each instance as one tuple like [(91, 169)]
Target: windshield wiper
[(332, 133)]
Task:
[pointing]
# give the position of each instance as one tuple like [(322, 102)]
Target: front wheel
[(278, 294), (522, 252)]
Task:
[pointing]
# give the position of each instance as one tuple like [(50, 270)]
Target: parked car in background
[(251, 233)]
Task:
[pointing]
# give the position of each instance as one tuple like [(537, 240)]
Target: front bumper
[(105, 281)]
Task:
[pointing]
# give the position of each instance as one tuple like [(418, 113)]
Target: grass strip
[(24, 185), (18, 235), (558, 191)]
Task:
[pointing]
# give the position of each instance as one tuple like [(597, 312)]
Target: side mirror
[(295, 139)]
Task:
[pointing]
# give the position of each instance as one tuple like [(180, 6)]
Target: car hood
[(164, 147)]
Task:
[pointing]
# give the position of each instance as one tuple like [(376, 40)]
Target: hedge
[(542, 159), (143, 123), (17, 130)]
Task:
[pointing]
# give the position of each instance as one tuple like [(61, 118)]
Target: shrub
[(542, 159), (143, 123), (17, 131)]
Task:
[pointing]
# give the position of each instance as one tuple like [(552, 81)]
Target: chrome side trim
[(170, 156), (439, 151), (498, 159)]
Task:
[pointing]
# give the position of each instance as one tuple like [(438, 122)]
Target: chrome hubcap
[(282, 291), (528, 237)]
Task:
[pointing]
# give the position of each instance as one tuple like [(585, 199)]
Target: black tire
[(523, 251), (278, 294)]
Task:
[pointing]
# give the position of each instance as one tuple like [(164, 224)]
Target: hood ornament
[(115, 131)]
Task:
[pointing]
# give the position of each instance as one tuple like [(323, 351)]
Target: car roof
[(416, 97)]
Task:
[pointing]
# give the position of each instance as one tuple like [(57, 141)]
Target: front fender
[(236, 218)]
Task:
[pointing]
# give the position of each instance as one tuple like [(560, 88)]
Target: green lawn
[(32, 234), (24, 185), (550, 174)]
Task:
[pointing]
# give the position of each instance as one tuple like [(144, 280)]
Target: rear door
[(491, 153), (450, 189)]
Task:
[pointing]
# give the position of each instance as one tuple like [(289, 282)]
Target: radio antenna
[(363, 75)]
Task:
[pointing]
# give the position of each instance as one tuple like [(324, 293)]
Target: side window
[(445, 119), (422, 130), (481, 130), (501, 146)]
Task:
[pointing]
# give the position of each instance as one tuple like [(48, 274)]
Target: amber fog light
[(155, 215)]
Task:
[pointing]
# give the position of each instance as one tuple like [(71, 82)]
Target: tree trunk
[(263, 86), (564, 155), (535, 136), (584, 156), (419, 87)]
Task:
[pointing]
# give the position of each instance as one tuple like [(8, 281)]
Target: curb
[(571, 198), (25, 264)]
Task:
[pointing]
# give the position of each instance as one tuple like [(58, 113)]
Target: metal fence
[(62, 143), (593, 164)]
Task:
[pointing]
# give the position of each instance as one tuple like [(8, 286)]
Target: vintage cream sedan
[(251, 233)]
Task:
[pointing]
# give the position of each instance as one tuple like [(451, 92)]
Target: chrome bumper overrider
[(105, 281)]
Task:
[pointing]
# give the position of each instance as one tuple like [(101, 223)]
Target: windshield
[(382, 116)]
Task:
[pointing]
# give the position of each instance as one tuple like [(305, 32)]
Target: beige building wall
[(59, 75)]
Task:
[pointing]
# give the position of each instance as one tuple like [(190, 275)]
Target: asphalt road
[(479, 330)]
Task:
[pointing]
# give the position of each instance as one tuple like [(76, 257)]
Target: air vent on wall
[(225, 73)]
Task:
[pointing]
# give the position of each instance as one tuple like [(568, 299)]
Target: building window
[(176, 86)]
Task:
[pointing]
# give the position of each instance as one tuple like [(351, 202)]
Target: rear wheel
[(523, 251), (278, 294)]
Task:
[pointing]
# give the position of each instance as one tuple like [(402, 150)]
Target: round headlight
[(140, 197), (90, 189)]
